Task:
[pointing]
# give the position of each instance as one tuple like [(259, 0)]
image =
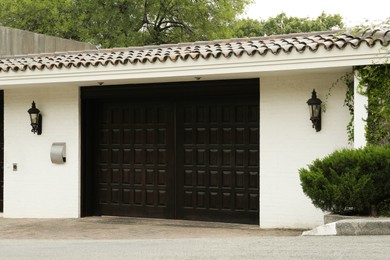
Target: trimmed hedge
[(349, 181)]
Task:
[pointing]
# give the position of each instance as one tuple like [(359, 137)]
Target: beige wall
[(18, 42)]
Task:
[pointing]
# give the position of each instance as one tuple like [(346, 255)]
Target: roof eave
[(160, 71)]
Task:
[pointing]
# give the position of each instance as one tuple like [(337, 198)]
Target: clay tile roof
[(269, 45)]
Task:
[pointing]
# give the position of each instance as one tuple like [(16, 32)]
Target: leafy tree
[(248, 28), (125, 22), (116, 23), (283, 24), (44, 16)]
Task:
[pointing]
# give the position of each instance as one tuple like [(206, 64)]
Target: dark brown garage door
[(218, 160), (192, 157), (135, 159)]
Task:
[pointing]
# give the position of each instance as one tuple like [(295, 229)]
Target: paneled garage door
[(135, 159), (218, 160), (193, 157)]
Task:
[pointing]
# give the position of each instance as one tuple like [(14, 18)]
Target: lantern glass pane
[(316, 111), (311, 110), (34, 118)]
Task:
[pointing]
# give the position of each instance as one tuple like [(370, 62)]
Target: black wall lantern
[(315, 110), (36, 119)]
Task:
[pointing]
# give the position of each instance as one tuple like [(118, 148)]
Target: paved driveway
[(252, 247), (130, 238), (112, 228)]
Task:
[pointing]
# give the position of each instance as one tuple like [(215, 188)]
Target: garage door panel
[(216, 152), (133, 159), (254, 202), (223, 215)]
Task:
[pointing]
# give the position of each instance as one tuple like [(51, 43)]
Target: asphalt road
[(248, 247)]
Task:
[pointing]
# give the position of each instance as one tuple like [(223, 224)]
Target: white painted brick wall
[(40, 189), (360, 103), (288, 142)]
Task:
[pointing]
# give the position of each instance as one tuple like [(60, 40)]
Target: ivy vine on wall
[(375, 84), (347, 80)]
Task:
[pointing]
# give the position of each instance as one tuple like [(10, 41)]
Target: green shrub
[(384, 208), (349, 181)]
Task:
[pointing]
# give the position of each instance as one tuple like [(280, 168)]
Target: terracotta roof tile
[(300, 42)]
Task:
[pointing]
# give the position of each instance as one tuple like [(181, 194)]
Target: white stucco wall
[(288, 142), (360, 111), (40, 189)]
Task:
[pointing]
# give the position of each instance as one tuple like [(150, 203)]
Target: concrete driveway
[(113, 228), (135, 238)]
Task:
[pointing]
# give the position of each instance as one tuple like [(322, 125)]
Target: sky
[(354, 12)]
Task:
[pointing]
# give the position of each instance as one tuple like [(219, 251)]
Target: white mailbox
[(58, 153)]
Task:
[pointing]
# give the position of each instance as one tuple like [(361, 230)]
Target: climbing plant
[(375, 84), (347, 80)]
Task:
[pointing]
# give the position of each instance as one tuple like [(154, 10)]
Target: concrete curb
[(352, 227)]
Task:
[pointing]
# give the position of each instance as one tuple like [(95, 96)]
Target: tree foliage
[(117, 23), (49, 17), (283, 24)]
